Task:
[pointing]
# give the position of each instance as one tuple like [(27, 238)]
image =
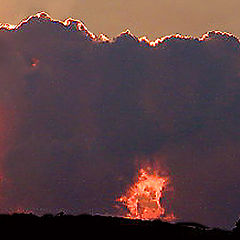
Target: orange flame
[(143, 198)]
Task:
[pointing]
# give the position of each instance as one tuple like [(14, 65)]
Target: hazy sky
[(153, 18)]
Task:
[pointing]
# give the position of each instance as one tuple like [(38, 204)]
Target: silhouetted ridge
[(103, 224)]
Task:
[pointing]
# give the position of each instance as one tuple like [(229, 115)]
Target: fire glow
[(143, 198)]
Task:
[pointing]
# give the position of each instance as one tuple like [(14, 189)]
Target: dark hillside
[(110, 227)]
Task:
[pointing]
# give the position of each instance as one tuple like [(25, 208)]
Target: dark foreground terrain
[(33, 226)]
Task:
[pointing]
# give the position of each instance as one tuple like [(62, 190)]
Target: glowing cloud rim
[(103, 38), (80, 26)]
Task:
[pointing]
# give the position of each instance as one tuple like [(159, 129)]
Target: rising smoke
[(76, 110)]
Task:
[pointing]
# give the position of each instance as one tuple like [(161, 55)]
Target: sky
[(77, 113), (153, 18)]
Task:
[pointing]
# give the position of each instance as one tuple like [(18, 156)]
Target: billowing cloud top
[(77, 110)]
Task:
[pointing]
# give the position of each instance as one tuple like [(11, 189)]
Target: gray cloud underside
[(77, 111)]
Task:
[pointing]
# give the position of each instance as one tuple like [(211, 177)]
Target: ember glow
[(143, 198), (34, 62)]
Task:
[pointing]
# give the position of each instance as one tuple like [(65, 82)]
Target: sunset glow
[(103, 38)]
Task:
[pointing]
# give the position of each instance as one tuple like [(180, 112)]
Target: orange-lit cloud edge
[(79, 26)]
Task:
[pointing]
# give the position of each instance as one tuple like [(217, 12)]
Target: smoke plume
[(76, 110)]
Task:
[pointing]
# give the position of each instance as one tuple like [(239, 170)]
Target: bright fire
[(143, 198)]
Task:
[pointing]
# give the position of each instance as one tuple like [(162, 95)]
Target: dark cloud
[(77, 111)]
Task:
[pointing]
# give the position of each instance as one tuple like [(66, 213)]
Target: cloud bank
[(77, 110)]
